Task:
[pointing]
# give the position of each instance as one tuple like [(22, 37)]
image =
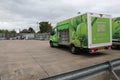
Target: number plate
[(100, 49)]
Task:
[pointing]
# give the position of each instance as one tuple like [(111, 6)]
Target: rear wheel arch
[(73, 49), (51, 43)]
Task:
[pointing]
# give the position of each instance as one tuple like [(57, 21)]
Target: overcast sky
[(20, 14)]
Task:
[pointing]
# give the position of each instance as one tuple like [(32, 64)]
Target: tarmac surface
[(34, 59)]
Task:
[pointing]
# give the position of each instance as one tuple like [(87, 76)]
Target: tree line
[(5, 31), (44, 27)]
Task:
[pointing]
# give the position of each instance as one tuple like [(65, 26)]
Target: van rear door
[(100, 26)]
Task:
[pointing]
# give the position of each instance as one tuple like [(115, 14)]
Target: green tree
[(24, 31), (45, 27), (5, 31), (13, 31), (31, 30)]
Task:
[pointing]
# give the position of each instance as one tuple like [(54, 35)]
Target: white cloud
[(20, 14)]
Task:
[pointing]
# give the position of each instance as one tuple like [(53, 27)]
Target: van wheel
[(51, 44), (73, 49), (117, 46)]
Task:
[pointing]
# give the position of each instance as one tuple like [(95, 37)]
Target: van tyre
[(51, 44), (115, 47), (74, 50)]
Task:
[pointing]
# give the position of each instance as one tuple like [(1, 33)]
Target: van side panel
[(116, 31), (116, 28), (78, 31)]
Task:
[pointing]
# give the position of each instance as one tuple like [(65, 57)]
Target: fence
[(26, 36), (42, 36), (2, 36)]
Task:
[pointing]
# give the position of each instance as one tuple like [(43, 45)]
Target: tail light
[(108, 47), (93, 50)]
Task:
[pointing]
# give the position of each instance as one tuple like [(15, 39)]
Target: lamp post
[(38, 26)]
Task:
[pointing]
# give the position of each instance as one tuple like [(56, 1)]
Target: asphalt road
[(34, 59)]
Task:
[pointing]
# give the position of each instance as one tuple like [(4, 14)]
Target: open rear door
[(99, 30)]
